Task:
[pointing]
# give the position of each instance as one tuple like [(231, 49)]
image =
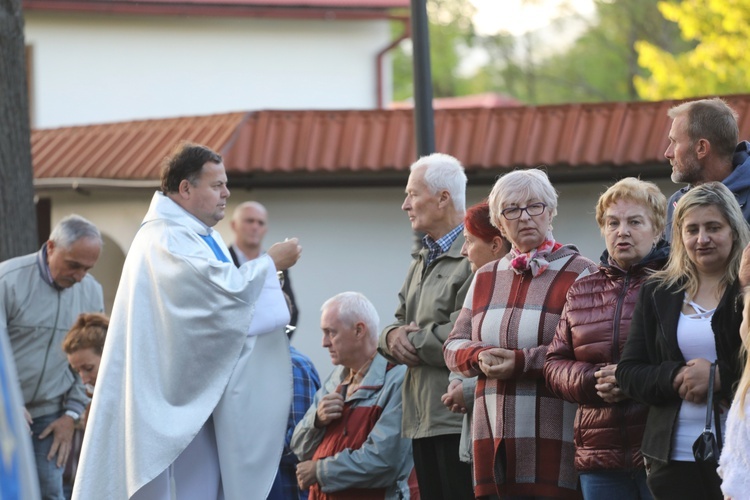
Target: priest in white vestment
[(194, 389)]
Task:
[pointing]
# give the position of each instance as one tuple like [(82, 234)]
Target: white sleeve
[(271, 310)]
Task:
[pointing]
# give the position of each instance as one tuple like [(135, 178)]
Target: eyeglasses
[(533, 210)]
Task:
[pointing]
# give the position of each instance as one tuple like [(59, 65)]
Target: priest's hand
[(497, 363), (306, 474), (399, 345), (330, 408), (62, 437), (285, 254)]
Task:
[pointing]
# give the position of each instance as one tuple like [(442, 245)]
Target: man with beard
[(703, 147)]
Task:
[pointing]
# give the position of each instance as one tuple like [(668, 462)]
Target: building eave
[(299, 10)]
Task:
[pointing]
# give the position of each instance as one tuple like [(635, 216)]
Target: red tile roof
[(254, 8), (573, 140)]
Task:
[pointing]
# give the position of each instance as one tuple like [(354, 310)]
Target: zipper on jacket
[(616, 324)]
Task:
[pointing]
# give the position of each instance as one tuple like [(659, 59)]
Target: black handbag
[(707, 447)]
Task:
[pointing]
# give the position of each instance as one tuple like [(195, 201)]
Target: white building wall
[(352, 239), (102, 68)]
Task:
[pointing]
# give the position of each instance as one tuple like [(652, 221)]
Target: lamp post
[(424, 121)]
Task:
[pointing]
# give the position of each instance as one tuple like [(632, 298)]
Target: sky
[(519, 16)]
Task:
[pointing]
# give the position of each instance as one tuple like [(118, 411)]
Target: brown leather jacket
[(592, 332)]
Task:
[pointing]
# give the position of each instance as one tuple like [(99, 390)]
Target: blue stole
[(218, 252), (11, 431)]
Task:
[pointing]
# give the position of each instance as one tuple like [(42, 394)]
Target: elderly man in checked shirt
[(306, 384)]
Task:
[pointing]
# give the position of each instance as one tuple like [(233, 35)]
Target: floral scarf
[(535, 260)]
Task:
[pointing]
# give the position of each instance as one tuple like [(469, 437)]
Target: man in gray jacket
[(41, 294)]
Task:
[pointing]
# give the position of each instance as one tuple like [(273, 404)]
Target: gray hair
[(710, 119), (519, 186), (73, 228), (353, 308), (444, 172)]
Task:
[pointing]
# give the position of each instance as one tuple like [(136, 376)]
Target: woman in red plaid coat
[(523, 434)]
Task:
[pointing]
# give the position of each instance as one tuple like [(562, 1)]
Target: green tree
[(18, 221), (600, 65), (717, 63), (451, 33)]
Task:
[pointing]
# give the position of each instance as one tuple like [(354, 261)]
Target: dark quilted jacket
[(591, 333)]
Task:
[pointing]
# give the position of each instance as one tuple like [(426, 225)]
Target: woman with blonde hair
[(583, 357), (522, 440), (686, 318), (84, 343), (734, 465)]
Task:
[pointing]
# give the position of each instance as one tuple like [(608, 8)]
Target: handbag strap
[(710, 397), (717, 425)]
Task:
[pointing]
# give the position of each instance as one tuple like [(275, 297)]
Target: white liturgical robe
[(191, 338)]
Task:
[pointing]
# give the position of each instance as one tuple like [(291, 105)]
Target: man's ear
[(185, 189), (445, 199), (702, 148), (359, 329)]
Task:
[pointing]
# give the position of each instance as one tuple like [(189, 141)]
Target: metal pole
[(424, 123)]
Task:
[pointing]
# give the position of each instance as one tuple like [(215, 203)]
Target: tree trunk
[(17, 214)]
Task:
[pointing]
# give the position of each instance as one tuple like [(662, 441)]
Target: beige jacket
[(431, 297)]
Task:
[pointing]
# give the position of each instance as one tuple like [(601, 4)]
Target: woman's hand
[(497, 363), (453, 399), (691, 381), (606, 384)]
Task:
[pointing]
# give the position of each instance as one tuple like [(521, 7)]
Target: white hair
[(444, 172), (353, 308), (73, 228), (519, 186)]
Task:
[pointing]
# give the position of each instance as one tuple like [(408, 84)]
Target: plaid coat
[(523, 435)]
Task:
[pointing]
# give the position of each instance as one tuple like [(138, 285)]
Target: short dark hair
[(185, 163), (710, 119)]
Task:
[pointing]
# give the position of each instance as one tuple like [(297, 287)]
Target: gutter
[(379, 59), (79, 183)]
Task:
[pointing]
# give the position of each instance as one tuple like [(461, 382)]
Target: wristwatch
[(75, 416)]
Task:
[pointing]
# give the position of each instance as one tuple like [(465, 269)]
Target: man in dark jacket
[(703, 147)]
